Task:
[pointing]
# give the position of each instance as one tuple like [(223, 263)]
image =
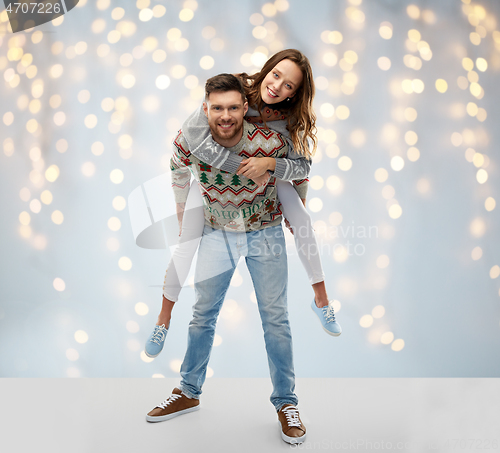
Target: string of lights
[(92, 100)]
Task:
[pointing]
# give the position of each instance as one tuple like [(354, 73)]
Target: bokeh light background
[(403, 189)]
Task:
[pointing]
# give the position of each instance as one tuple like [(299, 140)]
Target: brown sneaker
[(292, 429), (176, 404)]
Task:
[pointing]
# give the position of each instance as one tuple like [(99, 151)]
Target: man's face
[(225, 112)]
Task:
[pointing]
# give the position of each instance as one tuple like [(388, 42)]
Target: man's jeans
[(218, 255)]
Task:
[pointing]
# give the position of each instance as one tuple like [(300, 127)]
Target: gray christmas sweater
[(231, 201)]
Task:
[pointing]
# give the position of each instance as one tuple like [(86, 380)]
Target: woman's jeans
[(265, 254)]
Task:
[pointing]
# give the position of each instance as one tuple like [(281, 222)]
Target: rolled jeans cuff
[(187, 392)]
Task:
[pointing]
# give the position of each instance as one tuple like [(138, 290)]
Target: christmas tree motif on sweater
[(251, 183), (203, 178), (236, 181), (219, 180)]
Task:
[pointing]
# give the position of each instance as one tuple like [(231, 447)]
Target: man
[(241, 219)]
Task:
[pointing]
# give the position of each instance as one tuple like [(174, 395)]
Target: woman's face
[(281, 83)]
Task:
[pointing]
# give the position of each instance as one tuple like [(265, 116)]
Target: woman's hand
[(254, 167)]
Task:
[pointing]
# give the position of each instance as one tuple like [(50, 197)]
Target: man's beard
[(233, 132)]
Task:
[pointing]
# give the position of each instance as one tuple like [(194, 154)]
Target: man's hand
[(179, 207), (262, 181), (255, 166)]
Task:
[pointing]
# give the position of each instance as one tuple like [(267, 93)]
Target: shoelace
[(169, 400), (159, 334), (329, 313), (292, 416)]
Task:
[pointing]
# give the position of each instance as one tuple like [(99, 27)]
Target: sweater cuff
[(279, 171), (232, 163)]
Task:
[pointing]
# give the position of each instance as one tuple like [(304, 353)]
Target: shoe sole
[(326, 330), (162, 418), (151, 356), (291, 440)]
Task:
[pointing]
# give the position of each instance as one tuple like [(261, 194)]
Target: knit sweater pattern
[(233, 202)]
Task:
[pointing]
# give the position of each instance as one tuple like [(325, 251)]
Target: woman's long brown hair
[(299, 110)]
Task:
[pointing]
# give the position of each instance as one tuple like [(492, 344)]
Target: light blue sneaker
[(327, 319), (154, 345)]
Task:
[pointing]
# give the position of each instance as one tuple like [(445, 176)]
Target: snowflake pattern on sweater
[(231, 201)]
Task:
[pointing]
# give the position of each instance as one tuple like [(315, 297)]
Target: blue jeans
[(265, 254)]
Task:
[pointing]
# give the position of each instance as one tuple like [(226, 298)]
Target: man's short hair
[(222, 83)]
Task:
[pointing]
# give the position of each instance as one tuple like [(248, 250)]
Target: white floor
[(107, 415)]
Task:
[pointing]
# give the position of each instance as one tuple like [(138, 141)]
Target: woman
[(285, 83)]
